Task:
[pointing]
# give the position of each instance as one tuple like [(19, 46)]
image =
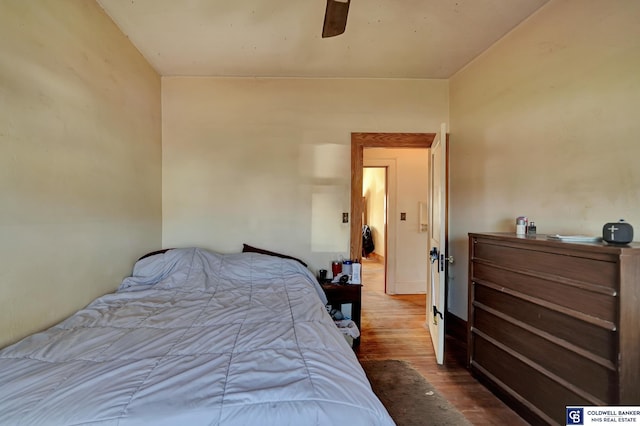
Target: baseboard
[(456, 327)]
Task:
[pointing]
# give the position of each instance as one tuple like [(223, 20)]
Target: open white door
[(436, 289)]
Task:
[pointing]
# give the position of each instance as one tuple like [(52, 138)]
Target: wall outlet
[(345, 217), (403, 216)]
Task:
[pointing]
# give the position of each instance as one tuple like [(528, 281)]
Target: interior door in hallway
[(375, 196)]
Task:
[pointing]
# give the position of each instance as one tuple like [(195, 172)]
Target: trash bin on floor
[(349, 330)]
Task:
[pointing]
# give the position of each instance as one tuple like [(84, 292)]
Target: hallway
[(393, 327)]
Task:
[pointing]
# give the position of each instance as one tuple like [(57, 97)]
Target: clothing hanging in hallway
[(367, 241)]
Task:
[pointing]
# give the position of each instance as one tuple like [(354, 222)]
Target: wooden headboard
[(154, 253)]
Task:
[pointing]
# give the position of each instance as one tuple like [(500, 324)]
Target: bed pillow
[(249, 249)]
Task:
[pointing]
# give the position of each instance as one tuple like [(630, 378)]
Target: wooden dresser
[(554, 323)]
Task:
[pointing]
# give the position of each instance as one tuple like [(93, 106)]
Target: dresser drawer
[(591, 301), (567, 362), (520, 380), (590, 337), (601, 271)]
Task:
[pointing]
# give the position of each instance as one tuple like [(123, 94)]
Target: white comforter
[(193, 338)]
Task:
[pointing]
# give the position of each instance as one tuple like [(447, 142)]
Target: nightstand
[(337, 294)]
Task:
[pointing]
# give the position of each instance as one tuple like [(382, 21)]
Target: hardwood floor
[(393, 327)]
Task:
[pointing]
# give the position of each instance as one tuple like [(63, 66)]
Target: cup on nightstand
[(336, 268)]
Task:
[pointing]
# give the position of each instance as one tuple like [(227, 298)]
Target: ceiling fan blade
[(335, 17)]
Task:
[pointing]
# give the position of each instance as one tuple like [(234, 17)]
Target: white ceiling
[(282, 38)]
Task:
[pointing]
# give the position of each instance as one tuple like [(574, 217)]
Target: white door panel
[(437, 242)]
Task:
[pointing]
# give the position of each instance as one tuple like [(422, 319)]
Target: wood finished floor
[(393, 327)]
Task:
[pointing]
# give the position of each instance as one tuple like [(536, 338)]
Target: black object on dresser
[(554, 323), (337, 294)]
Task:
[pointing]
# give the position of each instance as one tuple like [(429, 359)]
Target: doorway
[(397, 217), (375, 196), (360, 142)]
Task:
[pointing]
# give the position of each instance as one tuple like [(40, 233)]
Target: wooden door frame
[(360, 141)]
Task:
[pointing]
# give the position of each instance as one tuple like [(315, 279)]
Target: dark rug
[(408, 397)]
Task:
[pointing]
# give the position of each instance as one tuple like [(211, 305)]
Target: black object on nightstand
[(337, 294)]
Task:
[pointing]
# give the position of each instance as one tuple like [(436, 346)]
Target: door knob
[(434, 253)]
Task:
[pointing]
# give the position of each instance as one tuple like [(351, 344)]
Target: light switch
[(403, 216)]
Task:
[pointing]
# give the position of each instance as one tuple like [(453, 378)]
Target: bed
[(193, 338)]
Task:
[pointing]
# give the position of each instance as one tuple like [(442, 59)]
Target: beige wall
[(267, 161), (536, 123), (545, 124), (80, 152), (406, 245)]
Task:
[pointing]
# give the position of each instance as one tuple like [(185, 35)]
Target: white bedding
[(193, 338)]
